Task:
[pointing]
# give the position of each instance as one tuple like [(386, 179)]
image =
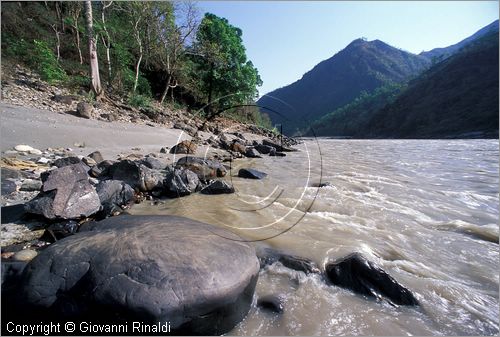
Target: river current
[(426, 211)]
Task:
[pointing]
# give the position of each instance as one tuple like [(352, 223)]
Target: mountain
[(361, 66), (456, 98), (442, 53), (352, 119)]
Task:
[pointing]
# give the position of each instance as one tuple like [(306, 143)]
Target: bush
[(139, 100), (45, 62)]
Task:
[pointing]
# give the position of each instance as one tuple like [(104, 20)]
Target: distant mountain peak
[(445, 52), (361, 66)]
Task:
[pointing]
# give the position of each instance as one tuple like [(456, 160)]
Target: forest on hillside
[(144, 51)]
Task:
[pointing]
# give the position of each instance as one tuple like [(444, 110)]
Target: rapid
[(426, 211)]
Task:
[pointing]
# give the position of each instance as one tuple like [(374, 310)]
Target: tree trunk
[(58, 42), (138, 64), (106, 41), (210, 89), (167, 85), (137, 68), (93, 61), (78, 44)]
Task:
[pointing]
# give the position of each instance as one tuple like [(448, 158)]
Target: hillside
[(457, 98), (442, 53), (361, 66)]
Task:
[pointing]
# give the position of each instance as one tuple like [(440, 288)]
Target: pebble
[(27, 148), (25, 255), (43, 160), (30, 185)]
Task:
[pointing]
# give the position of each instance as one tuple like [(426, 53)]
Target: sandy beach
[(44, 128)]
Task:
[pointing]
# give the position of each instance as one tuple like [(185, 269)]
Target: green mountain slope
[(455, 98), (361, 66)]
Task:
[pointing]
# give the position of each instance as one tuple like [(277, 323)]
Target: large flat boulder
[(195, 276)]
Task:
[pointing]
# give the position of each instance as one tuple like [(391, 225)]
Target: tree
[(172, 38), (221, 65), (106, 39), (95, 81), (74, 10)]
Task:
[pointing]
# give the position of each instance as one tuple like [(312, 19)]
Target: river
[(425, 210)]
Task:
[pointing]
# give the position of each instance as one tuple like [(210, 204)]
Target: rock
[(60, 230), (64, 99), (153, 163), (89, 161), (11, 273), (164, 149), (263, 149), (22, 148), (67, 161), (24, 255), (66, 193), (114, 195), (137, 175), (12, 213), (101, 169), (18, 233), (186, 128), (205, 169), (364, 277), (252, 153), (278, 146), (181, 182), (238, 147), (8, 186), (251, 174), (85, 110), (325, 184), (43, 161), (153, 269), (269, 256), (8, 173), (31, 185), (28, 149), (273, 303), (277, 154), (97, 156), (272, 153), (218, 187), (184, 147)]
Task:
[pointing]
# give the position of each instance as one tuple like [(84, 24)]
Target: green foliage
[(224, 74), (138, 100), (201, 60), (45, 62)]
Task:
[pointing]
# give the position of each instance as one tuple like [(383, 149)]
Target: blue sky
[(285, 39)]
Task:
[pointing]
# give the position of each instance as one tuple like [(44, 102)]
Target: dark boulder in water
[(269, 256), (273, 303), (195, 276), (251, 174), (364, 277), (180, 182), (218, 187)]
